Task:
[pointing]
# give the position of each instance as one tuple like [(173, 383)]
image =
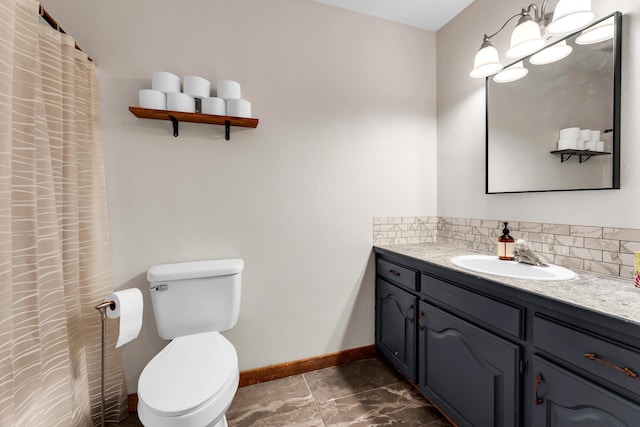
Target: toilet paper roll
[(238, 108), (590, 145), (570, 133), (181, 102), (128, 307), (567, 144), (197, 87), (149, 98), (595, 135), (228, 89), (581, 145), (165, 82), (585, 135), (214, 105), (600, 146)]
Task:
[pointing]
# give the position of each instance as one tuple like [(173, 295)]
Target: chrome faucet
[(523, 254)]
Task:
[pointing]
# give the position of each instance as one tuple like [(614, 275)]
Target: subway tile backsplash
[(401, 230), (602, 250)]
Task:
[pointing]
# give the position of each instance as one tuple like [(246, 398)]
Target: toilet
[(193, 380)]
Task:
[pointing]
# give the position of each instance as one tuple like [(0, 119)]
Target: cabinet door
[(564, 399), (395, 326), (471, 374)]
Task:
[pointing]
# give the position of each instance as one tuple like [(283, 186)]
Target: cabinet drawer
[(502, 316), (573, 344), (397, 274)]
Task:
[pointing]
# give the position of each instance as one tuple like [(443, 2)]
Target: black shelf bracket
[(227, 127), (175, 125), (584, 158), (564, 157), (583, 155)]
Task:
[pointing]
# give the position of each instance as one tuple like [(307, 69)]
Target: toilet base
[(220, 423)]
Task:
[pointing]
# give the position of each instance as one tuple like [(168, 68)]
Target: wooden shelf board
[(147, 113)]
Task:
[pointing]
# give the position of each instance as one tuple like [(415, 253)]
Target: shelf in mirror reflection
[(584, 155)]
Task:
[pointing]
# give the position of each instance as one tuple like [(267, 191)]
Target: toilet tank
[(194, 297)]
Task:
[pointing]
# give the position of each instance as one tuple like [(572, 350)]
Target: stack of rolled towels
[(166, 94), (580, 139)]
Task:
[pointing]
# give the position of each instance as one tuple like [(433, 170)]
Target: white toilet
[(193, 380)]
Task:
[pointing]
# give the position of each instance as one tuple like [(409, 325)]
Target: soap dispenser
[(505, 244)]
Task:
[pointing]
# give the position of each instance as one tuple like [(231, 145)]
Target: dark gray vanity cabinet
[(469, 373), (395, 316), (492, 355), (472, 374), (464, 366)]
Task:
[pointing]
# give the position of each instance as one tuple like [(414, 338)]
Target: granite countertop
[(606, 294)]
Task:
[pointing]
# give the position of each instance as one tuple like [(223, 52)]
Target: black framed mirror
[(531, 123)]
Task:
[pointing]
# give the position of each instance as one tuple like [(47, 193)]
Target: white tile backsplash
[(601, 250)]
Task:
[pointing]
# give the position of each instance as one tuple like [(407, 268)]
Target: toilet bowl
[(190, 383)]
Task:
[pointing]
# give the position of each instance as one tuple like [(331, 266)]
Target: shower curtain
[(55, 262)]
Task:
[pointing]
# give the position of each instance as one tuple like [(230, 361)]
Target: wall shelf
[(177, 116), (583, 154)]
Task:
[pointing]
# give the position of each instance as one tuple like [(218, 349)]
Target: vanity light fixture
[(569, 16), (511, 74), (600, 32)]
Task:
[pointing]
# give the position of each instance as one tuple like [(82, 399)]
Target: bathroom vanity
[(493, 351)]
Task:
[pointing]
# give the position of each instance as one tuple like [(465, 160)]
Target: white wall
[(461, 129), (347, 132)]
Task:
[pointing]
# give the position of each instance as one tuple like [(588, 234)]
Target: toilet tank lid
[(194, 269)]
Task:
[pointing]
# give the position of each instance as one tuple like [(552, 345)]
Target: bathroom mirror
[(524, 119)]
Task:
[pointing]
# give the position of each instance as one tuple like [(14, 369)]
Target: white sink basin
[(490, 264)]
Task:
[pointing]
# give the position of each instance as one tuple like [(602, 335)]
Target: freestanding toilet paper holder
[(102, 308)]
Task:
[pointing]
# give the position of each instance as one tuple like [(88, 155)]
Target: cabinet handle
[(420, 316), (394, 273), (406, 314), (626, 371), (538, 401)]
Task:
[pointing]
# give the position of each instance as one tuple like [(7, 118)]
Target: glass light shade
[(486, 62), (552, 53), (525, 39), (511, 74), (570, 16), (598, 33)]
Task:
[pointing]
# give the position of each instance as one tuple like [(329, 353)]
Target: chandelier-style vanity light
[(527, 37)]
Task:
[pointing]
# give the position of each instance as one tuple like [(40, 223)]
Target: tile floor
[(363, 393)]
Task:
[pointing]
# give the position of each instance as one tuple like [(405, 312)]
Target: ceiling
[(427, 14)]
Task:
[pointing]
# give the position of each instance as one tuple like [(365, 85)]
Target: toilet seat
[(188, 374)]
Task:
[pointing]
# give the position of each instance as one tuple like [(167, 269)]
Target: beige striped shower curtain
[(55, 263)]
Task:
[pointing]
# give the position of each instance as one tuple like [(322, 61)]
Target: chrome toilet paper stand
[(102, 308)]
